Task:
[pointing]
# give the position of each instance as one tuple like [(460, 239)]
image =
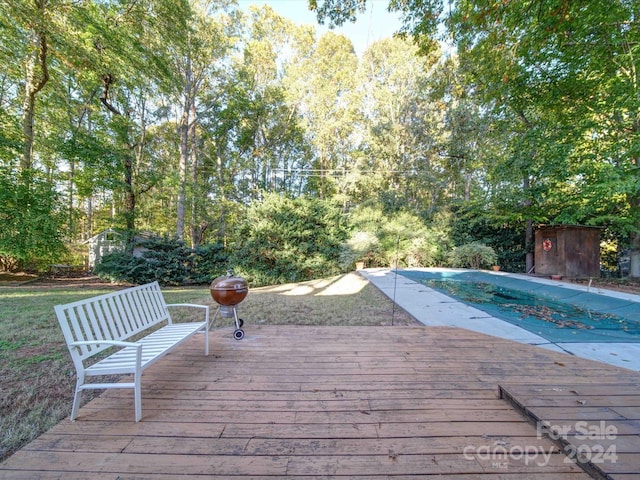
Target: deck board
[(347, 402), (600, 424)]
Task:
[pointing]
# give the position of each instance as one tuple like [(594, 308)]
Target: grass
[(342, 300), (38, 377)]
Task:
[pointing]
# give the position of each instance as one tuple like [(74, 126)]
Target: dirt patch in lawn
[(54, 281)]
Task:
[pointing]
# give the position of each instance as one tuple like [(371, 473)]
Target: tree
[(29, 200), (561, 74), (400, 137), (554, 72), (337, 11), (31, 20), (200, 46), (324, 84), (251, 140), (131, 64), (31, 234)]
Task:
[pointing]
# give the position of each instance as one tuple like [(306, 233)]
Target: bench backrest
[(112, 316)]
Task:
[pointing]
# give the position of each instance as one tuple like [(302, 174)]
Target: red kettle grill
[(228, 291)]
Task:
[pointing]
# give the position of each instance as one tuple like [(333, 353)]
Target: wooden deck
[(347, 402)]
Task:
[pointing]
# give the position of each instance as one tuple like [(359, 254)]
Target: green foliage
[(325, 83), (31, 221), (207, 262), (472, 255), (382, 239), (178, 115), (287, 239), (122, 267), (474, 224), (9, 135), (168, 261), (360, 247)]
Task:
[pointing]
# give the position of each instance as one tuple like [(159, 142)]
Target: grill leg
[(238, 334)]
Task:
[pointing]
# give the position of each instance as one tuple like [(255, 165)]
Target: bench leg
[(137, 381), (206, 333), (137, 393), (77, 397)]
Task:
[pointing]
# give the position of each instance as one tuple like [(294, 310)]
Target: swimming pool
[(561, 315)]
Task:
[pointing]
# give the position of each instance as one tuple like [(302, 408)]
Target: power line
[(315, 171)]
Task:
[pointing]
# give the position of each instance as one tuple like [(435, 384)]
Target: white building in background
[(103, 244)]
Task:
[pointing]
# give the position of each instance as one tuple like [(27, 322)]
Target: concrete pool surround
[(434, 308)]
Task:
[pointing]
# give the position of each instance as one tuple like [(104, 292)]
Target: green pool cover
[(561, 315)]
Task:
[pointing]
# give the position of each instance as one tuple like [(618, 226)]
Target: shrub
[(208, 262), (472, 255), (473, 224), (361, 246), (121, 267), (168, 261), (401, 238), (289, 240)]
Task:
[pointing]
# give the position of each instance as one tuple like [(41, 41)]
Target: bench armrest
[(187, 305), (205, 307)]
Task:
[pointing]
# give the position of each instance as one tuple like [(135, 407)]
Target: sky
[(373, 25)]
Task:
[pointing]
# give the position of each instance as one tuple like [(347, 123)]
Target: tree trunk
[(37, 76), (72, 174), (129, 203), (130, 197), (197, 228), (634, 256), (184, 130), (182, 172), (27, 130), (529, 235), (89, 222), (528, 245)]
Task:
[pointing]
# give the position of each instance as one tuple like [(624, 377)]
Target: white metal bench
[(93, 325)]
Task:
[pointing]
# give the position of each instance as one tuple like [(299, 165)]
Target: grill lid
[(229, 289)]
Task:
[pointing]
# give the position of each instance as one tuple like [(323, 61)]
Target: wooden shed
[(102, 244), (570, 251)]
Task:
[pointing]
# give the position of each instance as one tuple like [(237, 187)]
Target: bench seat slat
[(154, 346)]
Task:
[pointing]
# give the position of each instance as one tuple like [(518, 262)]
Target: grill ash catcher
[(228, 291)]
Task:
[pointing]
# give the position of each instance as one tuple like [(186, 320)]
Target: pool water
[(563, 315)]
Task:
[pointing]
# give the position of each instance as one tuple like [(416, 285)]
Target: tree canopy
[(559, 82), (478, 122)]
